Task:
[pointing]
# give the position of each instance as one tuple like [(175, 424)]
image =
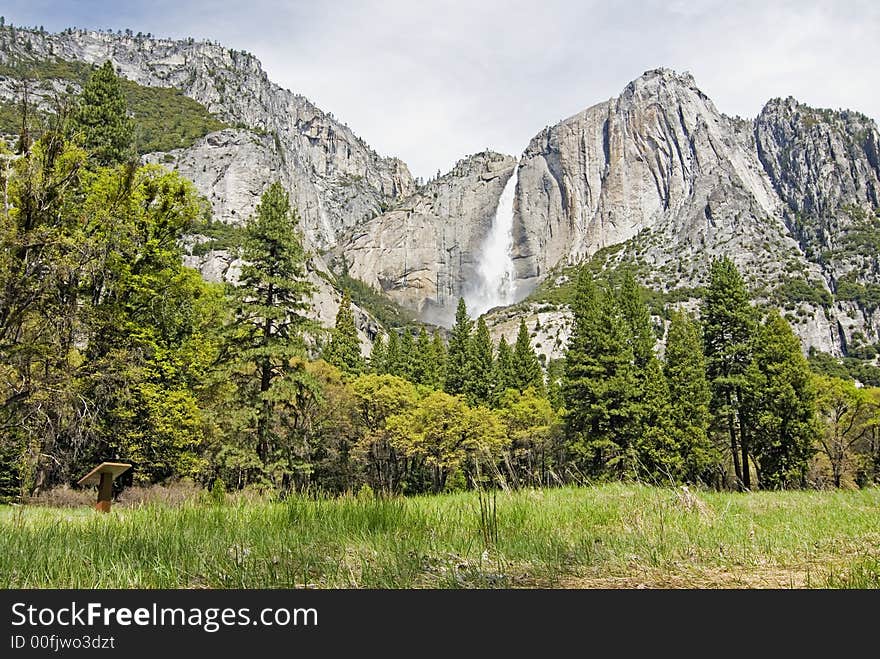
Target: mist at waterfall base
[(495, 285)]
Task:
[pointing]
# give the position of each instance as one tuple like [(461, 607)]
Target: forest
[(111, 349)]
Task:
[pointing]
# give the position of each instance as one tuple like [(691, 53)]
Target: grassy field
[(606, 536)]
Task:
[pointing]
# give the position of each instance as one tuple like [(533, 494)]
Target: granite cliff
[(657, 178)]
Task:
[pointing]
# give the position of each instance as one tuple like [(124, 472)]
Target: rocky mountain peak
[(819, 159), (658, 156), (656, 177), (654, 81), (334, 178)]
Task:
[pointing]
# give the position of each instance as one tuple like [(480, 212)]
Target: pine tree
[(526, 367), (392, 363), (101, 120), (658, 455), (405, 363), (555, 378), (272, 299), (690, 395), (598, 385), (581, 366), (505, 376), (728, 326), (641, 340), (421, 359), (479, 385), (377, 356), (344, 349), (638, 318), (437, 363), (781, 400), (458, 356)]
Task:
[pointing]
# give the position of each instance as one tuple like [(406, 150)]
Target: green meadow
[(607, 536)]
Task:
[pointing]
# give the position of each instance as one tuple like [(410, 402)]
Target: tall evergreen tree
[(526, 367), (505, 376), (479, 385), (638, 318), (405, 364), (598, 381), (392, 363), (272, 299), (437, 363), (657, 453), (689, 395), (377, 356), (101, 120), (458, 357), (782, 404), (555, 378), (581, 365), (728, 327), (344, 348), (421, 360)]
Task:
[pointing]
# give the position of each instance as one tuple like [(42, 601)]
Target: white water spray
[(496, 285)]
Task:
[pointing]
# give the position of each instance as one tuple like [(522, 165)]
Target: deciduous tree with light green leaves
[(442, 434), (533, 427), (105, 338), (848, 417), (378, 398)]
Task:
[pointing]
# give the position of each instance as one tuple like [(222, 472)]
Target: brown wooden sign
[(103, 476)]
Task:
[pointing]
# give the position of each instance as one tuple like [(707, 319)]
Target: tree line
[(111, 349)]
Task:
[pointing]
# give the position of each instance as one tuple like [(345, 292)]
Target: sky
[(432, 81)]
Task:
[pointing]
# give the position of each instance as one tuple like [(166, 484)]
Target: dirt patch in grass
[(775, 578)]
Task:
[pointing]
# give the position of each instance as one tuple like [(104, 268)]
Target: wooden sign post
[(103, 476)]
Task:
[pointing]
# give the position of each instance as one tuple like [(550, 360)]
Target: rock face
[(230, 168), (659, 158), (334, 178), (656, 177), (825, 167), (549, 328), (659, 178), (425, 252), (819, 161)]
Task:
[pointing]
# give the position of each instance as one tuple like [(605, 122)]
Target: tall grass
[(610, 535)]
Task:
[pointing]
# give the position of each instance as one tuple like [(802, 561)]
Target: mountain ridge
[(791, 195)]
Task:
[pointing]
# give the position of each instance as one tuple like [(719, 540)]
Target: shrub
[(169, 494), (64, 496)]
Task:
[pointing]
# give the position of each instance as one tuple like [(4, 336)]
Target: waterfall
[(495, 285)]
